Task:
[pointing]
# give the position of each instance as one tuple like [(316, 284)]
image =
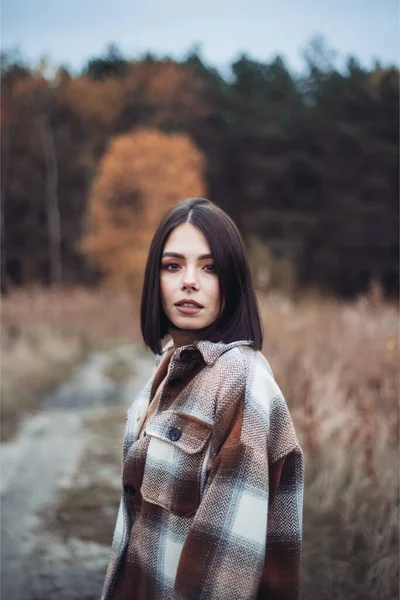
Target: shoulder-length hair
[(240, 317)]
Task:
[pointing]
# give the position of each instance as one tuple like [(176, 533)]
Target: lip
[(197, 304), (188, 310)]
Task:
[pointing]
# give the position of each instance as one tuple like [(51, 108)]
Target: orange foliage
[(97, 102), (173, 90), (167, 90), (141, 175)]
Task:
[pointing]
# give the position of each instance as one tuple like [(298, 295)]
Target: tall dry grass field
[(46, 333), (338, 367)]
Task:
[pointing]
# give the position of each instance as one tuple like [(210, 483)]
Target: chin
[(188, 324)]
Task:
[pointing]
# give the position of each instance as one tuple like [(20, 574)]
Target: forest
[(306, 164)]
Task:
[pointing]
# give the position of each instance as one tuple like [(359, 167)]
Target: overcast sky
[(71, 32)]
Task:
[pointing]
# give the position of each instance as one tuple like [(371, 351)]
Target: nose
[(189, 279)]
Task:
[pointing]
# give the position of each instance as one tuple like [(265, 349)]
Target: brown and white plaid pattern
[(213, 493)]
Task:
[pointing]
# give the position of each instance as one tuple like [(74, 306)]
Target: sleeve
[(281, 578), (245, 537)]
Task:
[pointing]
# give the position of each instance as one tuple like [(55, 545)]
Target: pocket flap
[(184, 431)]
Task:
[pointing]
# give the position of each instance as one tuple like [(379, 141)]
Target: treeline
[(306, 164)]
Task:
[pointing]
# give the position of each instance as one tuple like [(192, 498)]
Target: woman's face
[(188, 272)]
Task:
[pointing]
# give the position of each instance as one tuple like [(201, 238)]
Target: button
[(174, 381), (174, 434), (144, 433), (130, 489)]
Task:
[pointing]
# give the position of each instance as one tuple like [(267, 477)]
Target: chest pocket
[(175, 456)]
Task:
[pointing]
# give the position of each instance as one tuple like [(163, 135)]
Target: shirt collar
[(210, 351)]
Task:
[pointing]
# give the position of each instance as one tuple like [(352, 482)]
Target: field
[(338, 367), (44, 335)]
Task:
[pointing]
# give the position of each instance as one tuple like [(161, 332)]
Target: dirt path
[(61, 481)]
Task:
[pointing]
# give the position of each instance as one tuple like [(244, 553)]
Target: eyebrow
[(177, 255)]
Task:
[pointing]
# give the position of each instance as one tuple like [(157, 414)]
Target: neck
[(184, 337)]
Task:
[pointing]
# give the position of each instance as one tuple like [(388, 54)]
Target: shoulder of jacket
[(251, 363), (267, 405), (261, 386)]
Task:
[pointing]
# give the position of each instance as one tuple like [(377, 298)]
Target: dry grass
[(338, 367), (45, 334)]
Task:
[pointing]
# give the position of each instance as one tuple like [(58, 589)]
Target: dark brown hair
[(240, 318)]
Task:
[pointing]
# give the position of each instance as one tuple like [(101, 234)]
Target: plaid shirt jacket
[(212, 497)]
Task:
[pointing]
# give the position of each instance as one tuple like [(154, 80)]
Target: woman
[(212, 469)]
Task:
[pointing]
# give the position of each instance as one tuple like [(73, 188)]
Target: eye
[(166, 267), (212, 270)]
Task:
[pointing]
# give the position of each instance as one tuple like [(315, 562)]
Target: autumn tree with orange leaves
[(141, 175)]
